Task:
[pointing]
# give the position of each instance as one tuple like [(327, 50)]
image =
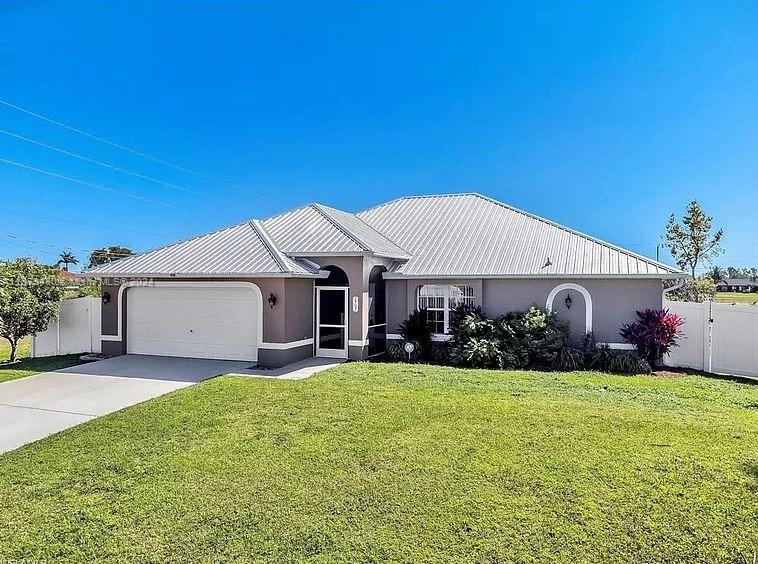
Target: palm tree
[(66, 259), (716, 274)]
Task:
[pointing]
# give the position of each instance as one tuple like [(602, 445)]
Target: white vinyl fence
[(719, 338), (76, 330)]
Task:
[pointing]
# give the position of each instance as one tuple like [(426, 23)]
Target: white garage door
[(197, 322)]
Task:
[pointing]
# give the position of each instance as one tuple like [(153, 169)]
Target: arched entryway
[(573, 303), (332, 313), (377, 308)]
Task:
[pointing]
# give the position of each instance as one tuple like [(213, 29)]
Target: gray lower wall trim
[(110, 347), (281, 357), (357, 353), (285, 346)]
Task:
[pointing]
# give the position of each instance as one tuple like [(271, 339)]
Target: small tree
[(29, 298), (67, 258), (655, 333), (690, 242), (699, 289), (108, 254), (716, 274)]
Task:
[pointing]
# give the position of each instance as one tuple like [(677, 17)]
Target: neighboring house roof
[(242, 250), (456, 235), (473, 235), (737, 282), (320, 230), (72, 277)]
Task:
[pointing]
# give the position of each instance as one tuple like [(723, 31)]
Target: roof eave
[(662, 276), (319, 274)]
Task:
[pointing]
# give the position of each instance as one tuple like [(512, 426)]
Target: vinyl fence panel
[(719, 338), (735, 339), (76, 329)]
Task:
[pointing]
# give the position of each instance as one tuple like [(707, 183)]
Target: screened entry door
[(331, 322)]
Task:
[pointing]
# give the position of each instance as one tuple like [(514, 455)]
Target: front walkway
[(37, 406), (295, 371)]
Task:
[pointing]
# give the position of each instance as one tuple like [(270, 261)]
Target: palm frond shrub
[(606, 359), (569, 359), (418, 331)]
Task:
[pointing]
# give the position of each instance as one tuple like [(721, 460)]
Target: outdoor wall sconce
[(568, 301), (106, 298), (272, 300)]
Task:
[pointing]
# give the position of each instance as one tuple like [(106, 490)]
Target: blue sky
[(603, 116)]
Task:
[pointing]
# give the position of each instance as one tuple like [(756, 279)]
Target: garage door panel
[(209, 322)]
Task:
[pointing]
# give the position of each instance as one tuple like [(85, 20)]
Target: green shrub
[(532, 338), (569, 359), (478, 353), (475, 341), (440, 352), (606, 359), (395, 351), (417, 330)]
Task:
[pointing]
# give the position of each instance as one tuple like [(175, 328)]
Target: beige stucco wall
[(291, 319), (357, 269), (614, 302)]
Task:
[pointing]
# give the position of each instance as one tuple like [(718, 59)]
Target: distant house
[(72, 278), (737, 285)]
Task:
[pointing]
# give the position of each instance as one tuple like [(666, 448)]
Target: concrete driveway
[(37, 406)]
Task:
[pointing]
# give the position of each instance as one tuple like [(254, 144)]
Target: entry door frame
[(331, 353)]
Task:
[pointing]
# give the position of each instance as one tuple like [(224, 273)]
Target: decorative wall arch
[(585, 294)]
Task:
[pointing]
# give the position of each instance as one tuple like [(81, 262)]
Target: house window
[(440, 299)]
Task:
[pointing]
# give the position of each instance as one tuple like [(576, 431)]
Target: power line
[(26, 243), (130, 150), (99, 163), (90, 184), (15, 212), (111, 167)]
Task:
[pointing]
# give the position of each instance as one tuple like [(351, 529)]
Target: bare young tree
[(691, 242)]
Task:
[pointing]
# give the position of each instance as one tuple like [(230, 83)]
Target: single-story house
[(737, 285), (320, 281)]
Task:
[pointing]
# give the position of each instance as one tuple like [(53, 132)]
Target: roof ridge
[(320, 209), (275, 253), (574, 231), (416, 197), (371, 227)]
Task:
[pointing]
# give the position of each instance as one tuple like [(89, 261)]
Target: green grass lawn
[(24, 349), (378, 463), (736, 297), (31, 366)]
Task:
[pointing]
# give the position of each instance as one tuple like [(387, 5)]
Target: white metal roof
[(464, 235), (473, 235), (242, 250), (320, 230)]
